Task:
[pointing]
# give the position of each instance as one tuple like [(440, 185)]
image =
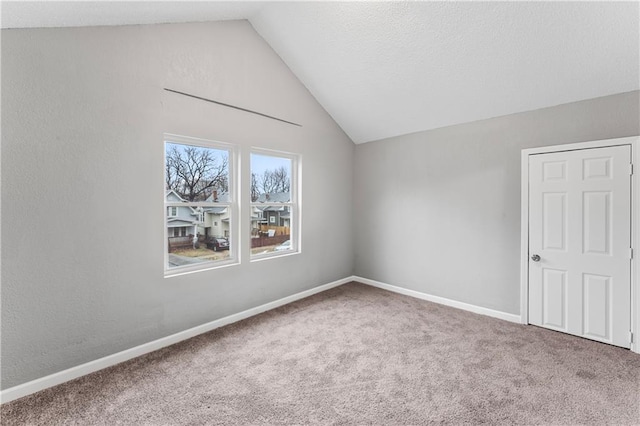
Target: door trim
[(634, 142)]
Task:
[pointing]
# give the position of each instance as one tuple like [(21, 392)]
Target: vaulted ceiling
[(383, 69)]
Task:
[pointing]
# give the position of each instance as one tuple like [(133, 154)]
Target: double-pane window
[(200, 194), (201, 209), (274, 204)]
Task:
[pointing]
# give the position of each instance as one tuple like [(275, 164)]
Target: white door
[(579, 243)]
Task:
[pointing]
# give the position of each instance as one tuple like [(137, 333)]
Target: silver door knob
[(535, 258)]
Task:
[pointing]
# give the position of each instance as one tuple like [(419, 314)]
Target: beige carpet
[(355, 355)]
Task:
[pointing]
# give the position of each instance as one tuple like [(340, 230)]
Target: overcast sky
[(260, 163)]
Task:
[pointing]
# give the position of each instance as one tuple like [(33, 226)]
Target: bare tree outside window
[(255, 192), (199, 203), (195, 173), (270, 181), (273, 209)]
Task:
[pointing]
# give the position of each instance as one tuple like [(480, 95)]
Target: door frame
[(634, 142)]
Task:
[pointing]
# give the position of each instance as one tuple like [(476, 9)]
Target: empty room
[(367, 213)]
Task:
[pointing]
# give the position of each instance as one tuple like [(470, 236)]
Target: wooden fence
[(263, 240), (268, 241), (279, 230), (176, 243)]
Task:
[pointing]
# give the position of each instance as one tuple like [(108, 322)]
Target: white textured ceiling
[(384, 69)]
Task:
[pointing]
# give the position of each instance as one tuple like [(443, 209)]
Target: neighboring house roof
[(215, 210), (182, 211), (173, 196), (223, 197), (274, 197), (178, 222)]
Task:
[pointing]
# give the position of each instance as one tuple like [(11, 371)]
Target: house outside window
[(275, 204), (200, 204)]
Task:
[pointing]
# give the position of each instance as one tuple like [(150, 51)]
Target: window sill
[(272, 255), (179, 271)]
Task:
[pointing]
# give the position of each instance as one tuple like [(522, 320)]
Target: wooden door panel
[(596, 211), (554, 221), (596, 291), (554, 291), (579, 225)]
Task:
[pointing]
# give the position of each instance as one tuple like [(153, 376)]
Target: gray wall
[(82, 189), (83, 114), (439, 211)]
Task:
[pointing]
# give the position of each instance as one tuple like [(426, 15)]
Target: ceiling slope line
[(233, 106)]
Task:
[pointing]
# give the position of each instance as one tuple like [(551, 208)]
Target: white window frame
[(294, 204), (232, 205)]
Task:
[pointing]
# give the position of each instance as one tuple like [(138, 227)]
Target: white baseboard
[(441, 300), (37, 385), (33, 386)]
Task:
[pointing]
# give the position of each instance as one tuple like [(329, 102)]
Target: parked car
[(217, 244), (284, 246)]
